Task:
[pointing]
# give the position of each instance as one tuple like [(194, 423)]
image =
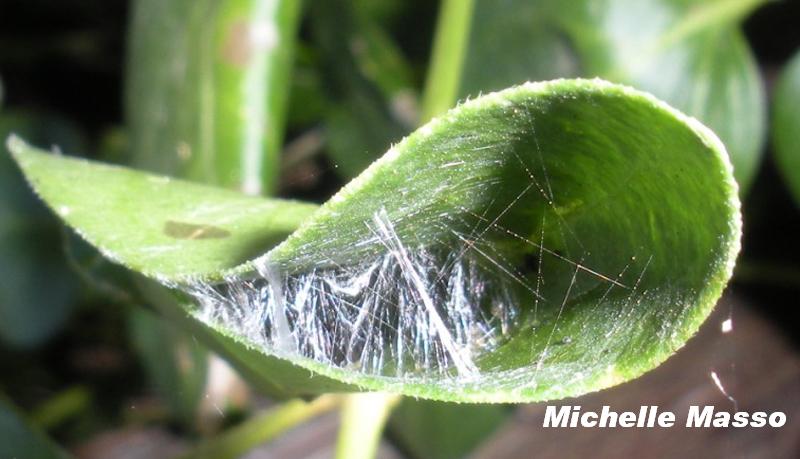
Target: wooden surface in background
[(754, 364)]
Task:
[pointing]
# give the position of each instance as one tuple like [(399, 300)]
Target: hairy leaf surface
[(535, 243)]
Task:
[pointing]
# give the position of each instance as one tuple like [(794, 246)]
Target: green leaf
[(359, 122), (207, 89), (307, 100), (30, 243), (690, 53), (534, 47), (18, 438), (786, 125), (536, 243), (438, 430), (194, 231), (357, 130), (175, 363), (173, 231), (379, 58)]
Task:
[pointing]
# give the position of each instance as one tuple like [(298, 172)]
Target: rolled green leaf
[(786, 125), (535, 243)]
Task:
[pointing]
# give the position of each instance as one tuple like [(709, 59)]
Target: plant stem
[(216, 73), (707, 15), (262, 428), (61, 407), (363, 418), (364, 415), (447, 58)]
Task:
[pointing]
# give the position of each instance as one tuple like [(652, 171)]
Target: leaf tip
[(15, 144)]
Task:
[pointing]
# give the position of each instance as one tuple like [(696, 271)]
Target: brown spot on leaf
[(237, 47), (244, 40), (183, 230)]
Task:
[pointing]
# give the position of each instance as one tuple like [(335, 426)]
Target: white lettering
[(740, 419), (721, 419), (777, 419), (627, 419), (666, 419), (572, 416), (759, 419), (608, 418), (556, 419), (696, 418), (575, 416), (585, 419)]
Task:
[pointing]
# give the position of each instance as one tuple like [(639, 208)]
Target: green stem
[(261, 428), (364, 415), (207, 89), (61, 407), (705, 16), (447, 58), (363, 418)]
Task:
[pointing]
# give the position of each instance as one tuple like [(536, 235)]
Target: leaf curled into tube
[(535, 243)]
